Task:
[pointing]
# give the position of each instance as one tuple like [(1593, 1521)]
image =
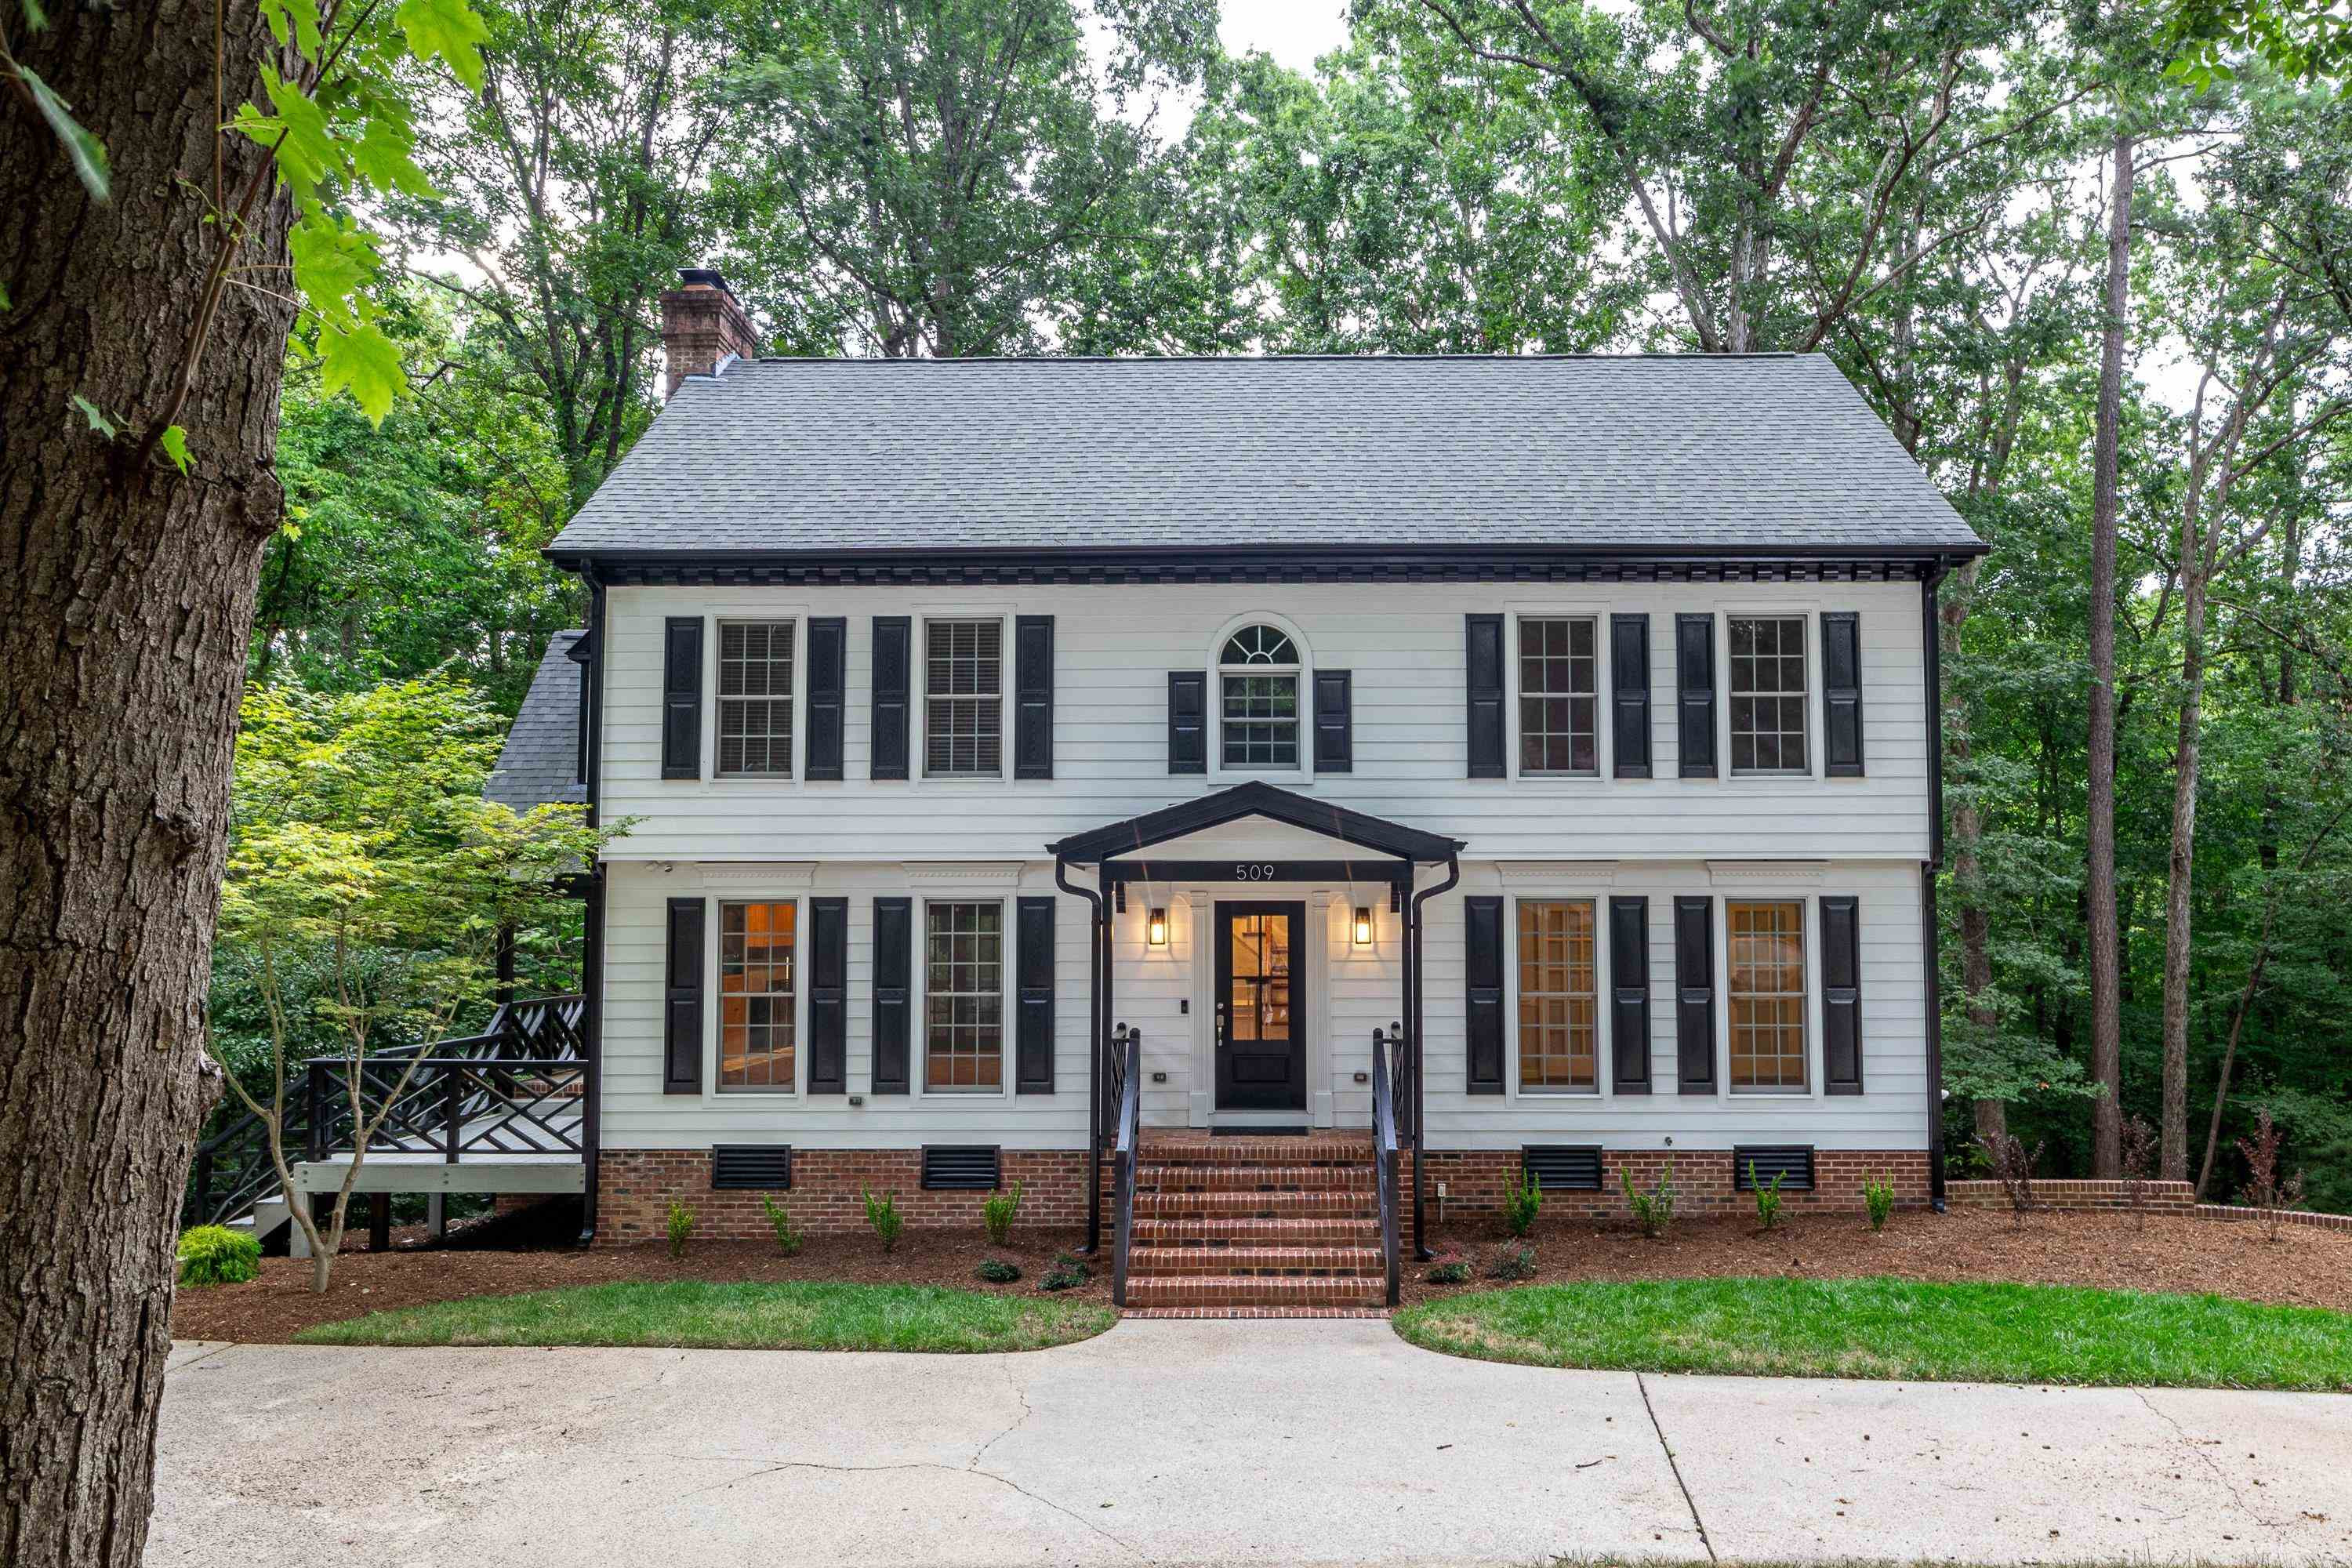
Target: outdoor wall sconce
[(1363, 925), (1155, 931)]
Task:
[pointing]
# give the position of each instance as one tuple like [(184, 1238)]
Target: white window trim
[(1809, 921), (753, 611), (1766, 610), (918, 694), (1596, 893), (1304, 773), (1603, 673), (919, 1041), (750, 893)]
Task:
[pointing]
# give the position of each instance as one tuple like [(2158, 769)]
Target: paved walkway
[(1197, 1442)]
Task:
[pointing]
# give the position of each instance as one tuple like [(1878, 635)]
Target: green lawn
[(1896, 1328), (804, 1317)]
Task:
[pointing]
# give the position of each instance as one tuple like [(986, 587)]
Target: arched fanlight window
[(1258, 674)]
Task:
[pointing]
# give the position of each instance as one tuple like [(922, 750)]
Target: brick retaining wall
[(2156, 1197)]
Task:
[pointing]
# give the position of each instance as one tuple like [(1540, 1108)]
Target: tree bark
[(2099, 815), (2172, 1160), (126, 598)]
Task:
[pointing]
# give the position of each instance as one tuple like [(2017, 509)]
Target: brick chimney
[(701, 325)]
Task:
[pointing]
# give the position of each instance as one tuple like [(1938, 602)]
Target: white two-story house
[(1531, 762)]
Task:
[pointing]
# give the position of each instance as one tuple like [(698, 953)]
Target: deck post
[(379, 1222)]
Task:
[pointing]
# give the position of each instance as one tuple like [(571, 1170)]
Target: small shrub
[(1768, 1198), (216, 1255), (1449, 1267), (788, 1235), (2011, 1164), (883, 1215), (997, 1271), (997, 1213), (1062, 1277), (1522, 1201), (2140, 1160), (681, 1227), (2263, 1190), (1878, 1201), (1072, 1261), (1512, 1263), (1653, 1211)]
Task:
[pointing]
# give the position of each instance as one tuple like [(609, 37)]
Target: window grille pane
[(1766, 956), (1559, 682), (1261, 720), (963, 997), (1559, 1031), (1768, 694), (755, 698), (1258, 645), (963, 726), (756, 1035)]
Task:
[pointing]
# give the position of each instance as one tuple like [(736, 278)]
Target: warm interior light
[(1363, 925), (1156, 929)]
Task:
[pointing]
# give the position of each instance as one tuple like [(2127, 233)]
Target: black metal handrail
[(1384, 1156), (1129, 1138)]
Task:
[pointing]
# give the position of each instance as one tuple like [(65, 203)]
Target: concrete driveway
[(1174, 1442)]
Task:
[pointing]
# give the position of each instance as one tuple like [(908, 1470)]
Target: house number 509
[(1245, 872)]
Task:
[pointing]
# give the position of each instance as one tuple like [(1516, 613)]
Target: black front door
[(1261, 1019)]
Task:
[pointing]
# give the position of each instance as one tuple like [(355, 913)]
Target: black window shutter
[(1188, 721), (828, 1070), (1629, 686), (682, 698), (1695, 706), (1840, 994), (1694, 995), (1033, 690), (1482, 977), (894, 946), (1629, 995), (1842, 693), (1033, 1063), (893, 636), (682, 999), (1482, 638), (828, 681), (1335, 721)]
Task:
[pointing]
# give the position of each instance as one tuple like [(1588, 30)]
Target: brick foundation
[(636, 1187), (1703, 1181)]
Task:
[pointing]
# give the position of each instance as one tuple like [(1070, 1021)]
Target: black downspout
[(1095, 922), (591, 957), (1415, 966), (1930, 955)]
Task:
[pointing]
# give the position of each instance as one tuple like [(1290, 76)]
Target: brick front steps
[(1255, 1225)]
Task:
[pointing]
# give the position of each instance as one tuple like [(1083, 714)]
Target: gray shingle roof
[(541, 758), (1626, 453)]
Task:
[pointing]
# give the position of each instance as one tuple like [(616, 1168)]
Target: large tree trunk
[(2106, 994), (126, 596), (2173, 1127)]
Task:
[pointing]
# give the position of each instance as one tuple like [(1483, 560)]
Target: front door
[(1261, 1021)]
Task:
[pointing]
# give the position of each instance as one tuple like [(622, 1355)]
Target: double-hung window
[(963, 997), (963, 699), (1768, 694), (1767, 953), (1560, 1014), (1258, 695), (755, 698), (1560, 684), (756, 1023)]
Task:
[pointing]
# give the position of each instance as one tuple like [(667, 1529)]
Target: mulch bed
[(271, 1309), (2303, 1266)]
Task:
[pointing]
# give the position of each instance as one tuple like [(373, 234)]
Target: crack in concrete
[(2196, 1448), (1002, 1480), (221, 1350), (1674, 1465), (1013, 1383)]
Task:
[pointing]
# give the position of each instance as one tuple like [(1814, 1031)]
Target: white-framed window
[(1558, 993), (963, 697), (759, 1020), (963, 996), (1764, 993), (1258, 676), (1768, 694), (1560, 695), (755, 699)]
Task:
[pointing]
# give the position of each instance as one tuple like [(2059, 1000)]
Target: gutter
[(1930, 933), (591, 953)]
